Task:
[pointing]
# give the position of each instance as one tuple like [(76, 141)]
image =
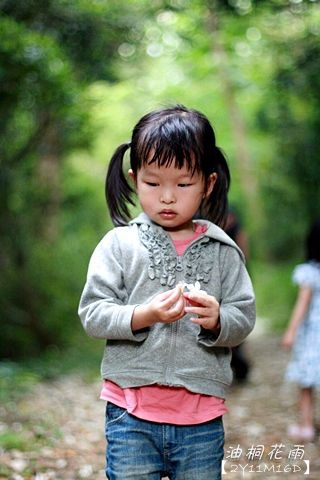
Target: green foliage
[(292, 180), (49, 53), (12, 441), (40, 295), (89, 32), (39, 89)]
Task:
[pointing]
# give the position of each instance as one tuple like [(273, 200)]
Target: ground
[(69, 416)]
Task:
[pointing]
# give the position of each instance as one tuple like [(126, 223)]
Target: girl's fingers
[(174, 297), (195, 310), (200, 299), (172, 304), (201, 311), (166, 295), (169, 297), (178, 307)]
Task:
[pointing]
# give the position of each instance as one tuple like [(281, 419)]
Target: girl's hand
[(288, 339), (168, 307), (206, 307)]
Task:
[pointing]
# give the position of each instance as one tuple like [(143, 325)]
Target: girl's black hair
[(313, 242), (177, 136)]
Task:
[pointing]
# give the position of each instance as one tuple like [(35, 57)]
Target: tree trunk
[(243, 162)]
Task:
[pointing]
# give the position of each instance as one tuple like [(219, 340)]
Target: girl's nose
[(167, 196)]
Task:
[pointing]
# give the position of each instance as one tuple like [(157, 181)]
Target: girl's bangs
[(164, 154)]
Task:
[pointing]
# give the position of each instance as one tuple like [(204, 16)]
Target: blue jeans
[(141, 450)]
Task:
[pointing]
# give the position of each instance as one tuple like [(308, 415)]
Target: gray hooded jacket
[(133, 264)]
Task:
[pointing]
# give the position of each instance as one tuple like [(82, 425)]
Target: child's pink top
[(162, 404)]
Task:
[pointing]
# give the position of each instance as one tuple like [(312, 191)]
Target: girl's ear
[(210, 184), (133, 177)]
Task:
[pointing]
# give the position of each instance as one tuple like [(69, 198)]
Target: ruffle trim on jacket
[(164, 261)]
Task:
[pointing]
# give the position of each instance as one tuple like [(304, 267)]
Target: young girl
[(170, 296), (303, 334)]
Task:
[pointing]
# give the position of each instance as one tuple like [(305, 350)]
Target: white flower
[(194, 288), (181, 285)]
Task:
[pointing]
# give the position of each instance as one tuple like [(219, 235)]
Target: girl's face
[(171, 196)]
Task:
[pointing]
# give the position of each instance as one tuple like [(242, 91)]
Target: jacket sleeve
[(237, 303), (103, 307)]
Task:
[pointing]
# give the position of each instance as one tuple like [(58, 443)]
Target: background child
[(171, 296), (303, 333), (235, 230)]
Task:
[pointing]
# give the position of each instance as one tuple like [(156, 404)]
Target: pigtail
[(215, 206), (118, 191)]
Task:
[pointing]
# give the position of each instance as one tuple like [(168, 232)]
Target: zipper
[(173, 340)]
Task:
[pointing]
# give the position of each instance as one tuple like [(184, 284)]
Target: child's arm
[(298, 314), (167, 307)]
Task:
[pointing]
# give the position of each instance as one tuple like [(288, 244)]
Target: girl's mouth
[(167, 214)]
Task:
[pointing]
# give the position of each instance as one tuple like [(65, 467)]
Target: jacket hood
[(213, 231)]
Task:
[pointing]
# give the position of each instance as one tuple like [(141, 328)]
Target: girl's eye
[(152, 184), (183, 184)]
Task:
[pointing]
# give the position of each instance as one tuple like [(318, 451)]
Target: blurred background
[(76, 76)]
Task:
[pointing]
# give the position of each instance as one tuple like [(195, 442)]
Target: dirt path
[(67, 420)]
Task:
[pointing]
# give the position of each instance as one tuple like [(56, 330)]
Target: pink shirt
[(163, 404)]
